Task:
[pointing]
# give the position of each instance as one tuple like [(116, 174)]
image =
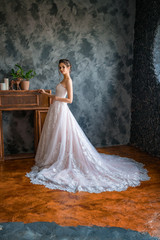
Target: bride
[(65, 158)]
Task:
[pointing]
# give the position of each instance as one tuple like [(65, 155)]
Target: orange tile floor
[(136, 208)]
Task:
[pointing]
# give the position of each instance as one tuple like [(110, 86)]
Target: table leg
[(1, 139)]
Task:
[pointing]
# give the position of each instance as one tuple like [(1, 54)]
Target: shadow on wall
[(145, 127)]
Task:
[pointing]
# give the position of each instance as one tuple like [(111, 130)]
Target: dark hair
[(66, 62)]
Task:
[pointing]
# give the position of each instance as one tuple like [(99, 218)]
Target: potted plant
[(23, 78), (27, 76)]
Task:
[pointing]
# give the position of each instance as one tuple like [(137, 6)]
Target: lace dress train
[(66, 160)]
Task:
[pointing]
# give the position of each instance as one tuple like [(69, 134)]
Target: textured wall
[(97, 37), (145, 131)]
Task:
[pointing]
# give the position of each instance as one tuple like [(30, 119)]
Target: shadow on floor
[(49, 231)]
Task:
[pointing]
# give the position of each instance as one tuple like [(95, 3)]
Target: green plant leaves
[(20, 73)]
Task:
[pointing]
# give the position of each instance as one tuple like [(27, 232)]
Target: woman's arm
[(69, 93), (48, 94)]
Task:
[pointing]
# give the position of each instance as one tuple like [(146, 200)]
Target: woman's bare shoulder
[(69, 81)]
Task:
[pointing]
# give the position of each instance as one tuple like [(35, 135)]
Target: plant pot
[(25, 85)]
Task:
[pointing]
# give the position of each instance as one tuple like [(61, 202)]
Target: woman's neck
[(66, 76)]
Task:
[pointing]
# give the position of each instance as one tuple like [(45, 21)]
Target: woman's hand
[(53, 98), (41, 91)]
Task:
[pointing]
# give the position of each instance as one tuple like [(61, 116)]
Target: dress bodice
[(61, 91)]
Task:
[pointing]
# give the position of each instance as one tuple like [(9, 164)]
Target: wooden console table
[(13, 100)]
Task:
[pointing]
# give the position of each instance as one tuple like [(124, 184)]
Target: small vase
[(25, 85)]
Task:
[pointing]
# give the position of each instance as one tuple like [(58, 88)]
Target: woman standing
[(65, 158)]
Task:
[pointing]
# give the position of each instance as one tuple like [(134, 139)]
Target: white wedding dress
[(66, 160)]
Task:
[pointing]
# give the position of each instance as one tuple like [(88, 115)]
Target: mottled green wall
[(97, 37)]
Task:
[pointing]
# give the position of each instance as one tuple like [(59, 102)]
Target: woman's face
[(64, 69)]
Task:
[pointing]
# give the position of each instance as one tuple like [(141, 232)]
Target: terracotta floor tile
[(136, 208)]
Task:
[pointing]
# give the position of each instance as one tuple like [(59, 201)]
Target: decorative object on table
[(22, 78), (28, 75), (5, 84), (2, 86), (24, 85), (15, 82), (6, 81)]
